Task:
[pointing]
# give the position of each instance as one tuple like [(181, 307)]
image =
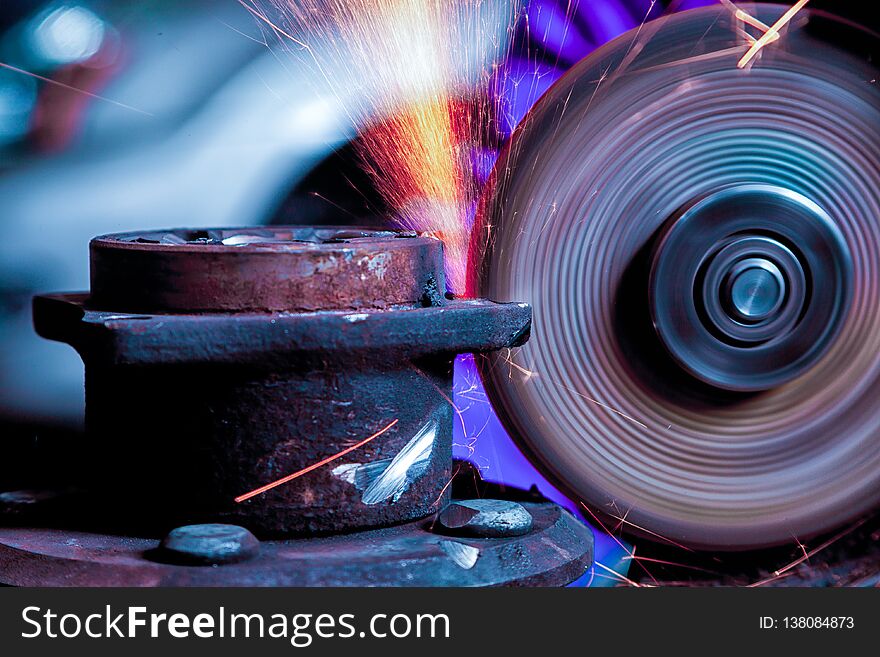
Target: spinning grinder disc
[(701, 247)]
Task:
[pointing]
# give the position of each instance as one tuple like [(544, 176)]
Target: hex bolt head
[(485, 518), (209, 545)]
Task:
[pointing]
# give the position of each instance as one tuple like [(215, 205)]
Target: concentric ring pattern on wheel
[(633, 134)]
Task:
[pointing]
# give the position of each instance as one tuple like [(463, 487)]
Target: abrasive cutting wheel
[(701, 245)]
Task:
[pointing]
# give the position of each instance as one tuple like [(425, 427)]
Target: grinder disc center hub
[(751, 289), (748, 286), (755, 290)]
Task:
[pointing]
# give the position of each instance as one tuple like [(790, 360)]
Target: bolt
[(756, 289), (209, 545), (486, 518)]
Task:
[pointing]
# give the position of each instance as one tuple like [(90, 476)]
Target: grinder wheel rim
[(600, 407)]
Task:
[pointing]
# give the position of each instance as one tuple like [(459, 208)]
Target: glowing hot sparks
[(412, 76), (771, 34), (748, 19), (314, 466)]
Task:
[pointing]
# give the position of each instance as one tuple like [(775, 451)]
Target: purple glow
[(693, 4), (479, 437), (603, 19), (482, 160), (548, 24), (523, 82), (551, 36)]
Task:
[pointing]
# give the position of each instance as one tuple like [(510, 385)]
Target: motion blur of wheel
[(701, 245)]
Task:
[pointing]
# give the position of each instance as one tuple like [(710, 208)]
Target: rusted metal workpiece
[(220, 361), (273, 269)]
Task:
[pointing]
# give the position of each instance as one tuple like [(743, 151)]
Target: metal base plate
[(556, 551)]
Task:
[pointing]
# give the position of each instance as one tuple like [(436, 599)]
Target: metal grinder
[(699, 237), (276, 403)]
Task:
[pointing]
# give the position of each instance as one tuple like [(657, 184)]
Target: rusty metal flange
[(272, 269), (223, 360)]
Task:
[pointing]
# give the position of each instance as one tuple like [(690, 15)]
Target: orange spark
[(623, 521), (748, 19), (772, 34), (829, 542), (621, 578), (277, 30), (631, 553), (314, 466), (68, 87), (443, 492), (411, 75), (788, 570), (768, 580), (674, 564), (418, 158)]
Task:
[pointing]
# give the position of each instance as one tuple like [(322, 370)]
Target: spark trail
[(772, 34), (412, 75), (314, 466)]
